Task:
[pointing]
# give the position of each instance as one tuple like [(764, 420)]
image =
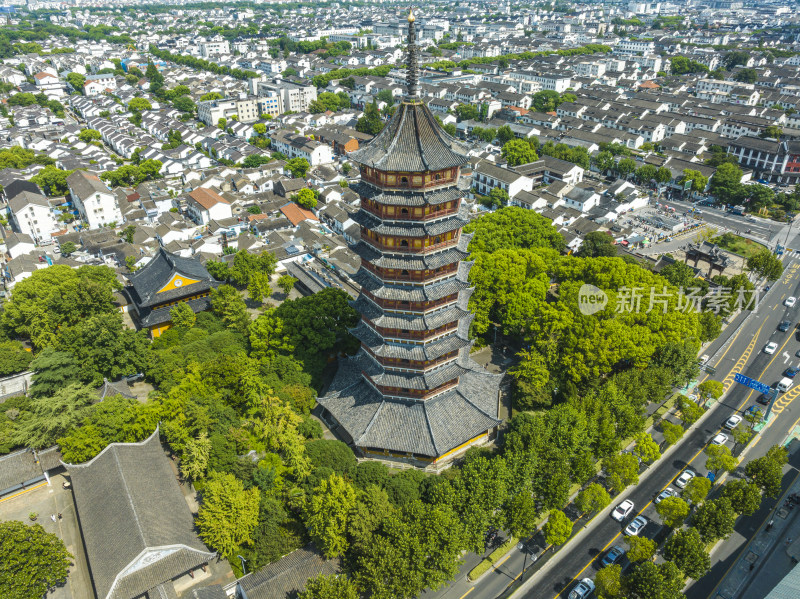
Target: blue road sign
[(752, 383)]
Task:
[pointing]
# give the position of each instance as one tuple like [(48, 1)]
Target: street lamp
[(244, 569)]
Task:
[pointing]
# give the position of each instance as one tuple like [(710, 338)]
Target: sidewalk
[(767, 558)]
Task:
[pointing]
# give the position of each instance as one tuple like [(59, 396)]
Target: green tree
[(746, 76), (673, 511), (593, 498), (195, 456), (558, 528), (52, 180), (622, 470), (766, 472), (597, 244), (608, 582), (626, 166), (52, 370), (505, 135), (298, 167), (335, 586), (498, 197), (720, 458), (228, 513), (698, 179), (687, 550), (53, 417), (766, 264), (714, 519), (546, 101), (89, 135), (513, 227), (326, 515), (745, 497), (649, 581), (522, 515), (139, 105), (259, 286), (646, 173), (228, 304), (672, 432), (34, 560), (182, 316), (14, 357), (68, 248), (286, 283), (76, 80), (697, 490), (603, 161), (741, 435), (370, 122), (710, 389), (772, 131), (689, 411), (518, 151), (726, 182), (306, 198), (466, 112), (641, 548)]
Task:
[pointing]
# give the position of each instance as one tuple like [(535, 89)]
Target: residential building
[(205, 205), (96, 204), (30, 213)]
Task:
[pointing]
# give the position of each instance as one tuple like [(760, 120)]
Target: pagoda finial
[(411, 69)]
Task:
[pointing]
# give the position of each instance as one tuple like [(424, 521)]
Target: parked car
[(790, 301), (668, 492), (770, 347), (732, 422), (583, 589), (613, 556), (684, 478), (622, 510), (636, 526), (719, 439)]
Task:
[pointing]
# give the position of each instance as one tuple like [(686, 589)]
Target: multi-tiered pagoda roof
[(412, 391)]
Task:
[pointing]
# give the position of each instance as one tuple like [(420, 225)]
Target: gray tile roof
[(426, 428), (136, 525), (288, 576), (84, 184), (25, 466), (146, 282), (411, 142)]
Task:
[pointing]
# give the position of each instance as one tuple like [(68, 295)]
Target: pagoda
[(412, 392)]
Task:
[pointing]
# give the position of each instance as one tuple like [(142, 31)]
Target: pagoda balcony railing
[(400, 249), (383, 214), (410, 307), (413, 276)]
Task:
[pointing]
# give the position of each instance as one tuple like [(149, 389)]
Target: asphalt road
[(744, 353), (766, 230), (739, 349)]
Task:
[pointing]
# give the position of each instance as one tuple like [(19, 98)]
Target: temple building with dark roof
[(165, 281), (136, 525), (412, 392)]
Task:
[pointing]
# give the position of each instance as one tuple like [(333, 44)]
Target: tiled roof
[(288, 576), (296, 214), (411, 142), (137, 527), (146, 282), (84, 184), (207, 198)]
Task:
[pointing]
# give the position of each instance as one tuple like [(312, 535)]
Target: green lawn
[(737, 244)]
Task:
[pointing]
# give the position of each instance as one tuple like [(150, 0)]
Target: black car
[(785, 326), (763, 399)]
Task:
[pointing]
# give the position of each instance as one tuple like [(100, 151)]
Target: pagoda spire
[(412, 77)]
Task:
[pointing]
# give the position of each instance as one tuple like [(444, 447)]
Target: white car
[(684, 478), (719, 439), (790, 301), (732, 422), (668, 492), (622, 510), (770, 347), (583, 589), (636, 526)]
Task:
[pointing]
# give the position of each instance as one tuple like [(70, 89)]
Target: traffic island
[(494, 557)]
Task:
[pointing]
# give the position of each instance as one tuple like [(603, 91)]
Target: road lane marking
[(467, 593), (740, 363)]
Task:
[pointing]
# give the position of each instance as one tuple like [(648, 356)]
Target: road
[(739, 349)]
